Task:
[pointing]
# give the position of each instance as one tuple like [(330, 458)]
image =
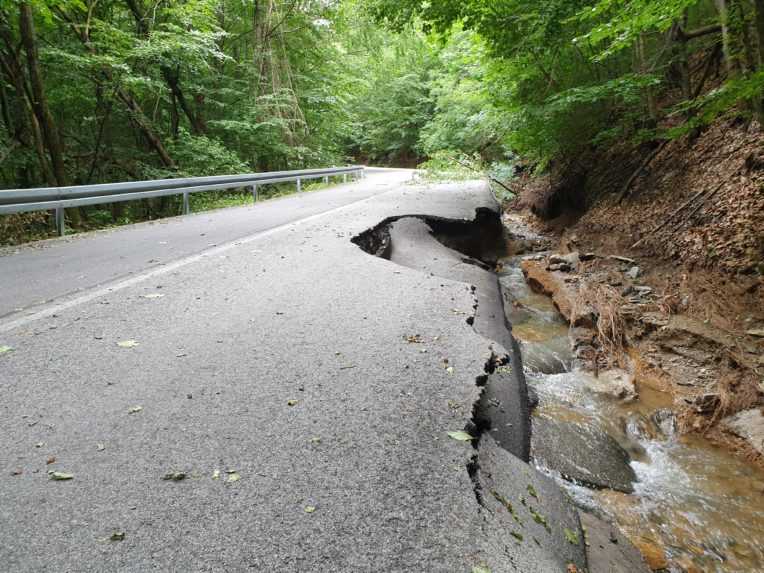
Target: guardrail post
[(344, 177), (253, 188), (326, 180), (299, 185), (186, 204), (60, 221)]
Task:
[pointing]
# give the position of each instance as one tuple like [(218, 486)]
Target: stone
[(706, 403), (643, 290), (607, 550), (563, 295), (633, 273), (639, 428), (533, 397), (758, 332), (626, 260), (570, 260), (665, 420), (614, 382), (749, 425), (560, 267), (581, 453)]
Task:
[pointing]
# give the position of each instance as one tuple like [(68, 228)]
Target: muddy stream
[(694, 503)]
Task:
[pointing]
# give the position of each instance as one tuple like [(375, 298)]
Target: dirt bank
[(660, 271)]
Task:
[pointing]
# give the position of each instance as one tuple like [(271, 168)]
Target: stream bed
[(693, 506)]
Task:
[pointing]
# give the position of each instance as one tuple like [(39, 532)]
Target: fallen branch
[(625, 191), (704, 201), (490, 178), (679, 210)]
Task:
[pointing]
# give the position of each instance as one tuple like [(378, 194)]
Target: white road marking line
[(170, 267)]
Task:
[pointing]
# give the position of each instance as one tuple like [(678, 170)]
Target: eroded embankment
[(528, 519), (602, 427)]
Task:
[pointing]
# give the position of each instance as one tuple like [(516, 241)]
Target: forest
[(116, 90)]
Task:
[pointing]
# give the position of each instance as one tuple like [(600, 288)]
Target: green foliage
[(617, 24), (550, 80), (465, 118), (447, 166), (201, 87), (199, 155)]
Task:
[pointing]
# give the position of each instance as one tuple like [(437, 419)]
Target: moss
[(506, 503), (538, 518), (571, 536)]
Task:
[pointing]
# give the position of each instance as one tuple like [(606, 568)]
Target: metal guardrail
[(60, 198)]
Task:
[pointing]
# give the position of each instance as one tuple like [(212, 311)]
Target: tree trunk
[(39, 100), (173, 82), (13, 71), (40, 103), (727, 43), (758, 9), (142, 123), (652, 105), (680, 42), (174, 116), (171, 76)]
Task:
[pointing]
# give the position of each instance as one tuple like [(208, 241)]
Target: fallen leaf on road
[(60, 476), (174, 476), (117, 536), (461, 436), (39, 444), (315, 440), (233, 476), (292, 402), (153, 295), (4, 349), (414, 339), (450, 369), (481, 569), (17, 472), (216, 474), (309, 509), (100, 447), (135, 409), (128, 344), (50, 460)]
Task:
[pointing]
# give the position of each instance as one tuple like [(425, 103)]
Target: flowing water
[(700, 503)]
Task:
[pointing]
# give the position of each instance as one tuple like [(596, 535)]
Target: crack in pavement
[(500, 415)]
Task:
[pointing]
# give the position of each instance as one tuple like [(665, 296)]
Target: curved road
[(247, 390)]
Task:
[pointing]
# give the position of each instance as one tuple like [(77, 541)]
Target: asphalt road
[(35, 274), (277, 372)]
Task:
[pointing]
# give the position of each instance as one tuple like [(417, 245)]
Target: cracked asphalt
[(276, 371)]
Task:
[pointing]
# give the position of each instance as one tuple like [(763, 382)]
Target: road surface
[(302, 388)]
